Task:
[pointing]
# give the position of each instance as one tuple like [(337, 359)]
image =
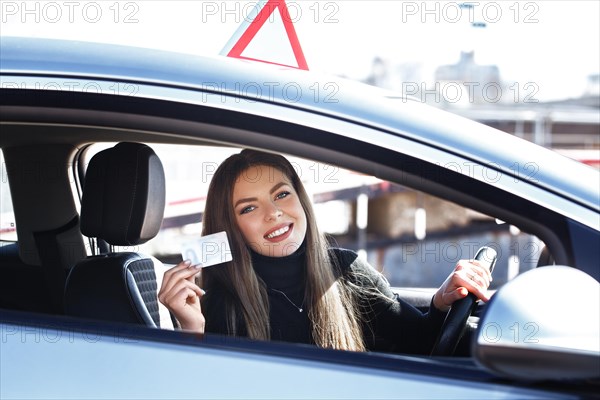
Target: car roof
[(323, 94)]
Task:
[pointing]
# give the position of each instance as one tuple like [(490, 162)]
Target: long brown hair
[(333, 312)]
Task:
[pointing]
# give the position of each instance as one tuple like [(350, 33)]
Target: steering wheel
[(456, 321)]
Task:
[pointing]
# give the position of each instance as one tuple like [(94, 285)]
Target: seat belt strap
[(53, 263)]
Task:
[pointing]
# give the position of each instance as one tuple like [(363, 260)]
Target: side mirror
[(542, 325)]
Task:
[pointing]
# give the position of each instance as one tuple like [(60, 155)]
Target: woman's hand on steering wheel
[(469, 276)]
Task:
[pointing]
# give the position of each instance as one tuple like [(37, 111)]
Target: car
[(416, 186)]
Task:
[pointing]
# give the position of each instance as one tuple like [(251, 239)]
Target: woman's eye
[(282, 195), (246, 210)]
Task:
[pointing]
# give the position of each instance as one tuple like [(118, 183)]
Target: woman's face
[(268, 211)]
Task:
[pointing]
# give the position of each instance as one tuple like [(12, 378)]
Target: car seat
[(123, 204)]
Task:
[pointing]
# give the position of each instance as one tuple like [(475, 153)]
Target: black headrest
[(124, 195)]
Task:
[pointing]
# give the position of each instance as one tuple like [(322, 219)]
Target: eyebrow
[(249, 199)]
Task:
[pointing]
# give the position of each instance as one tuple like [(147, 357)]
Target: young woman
[(285, 281)]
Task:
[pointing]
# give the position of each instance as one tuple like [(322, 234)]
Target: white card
[(207, 250)]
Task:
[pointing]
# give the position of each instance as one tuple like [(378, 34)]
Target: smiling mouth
[(278, 232)]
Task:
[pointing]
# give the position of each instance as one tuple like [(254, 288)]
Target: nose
[(273, 212)]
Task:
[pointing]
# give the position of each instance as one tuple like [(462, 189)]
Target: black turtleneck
[(388, 322), (285, 276)]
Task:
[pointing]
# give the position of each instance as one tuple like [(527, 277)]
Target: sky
[(553, 45)]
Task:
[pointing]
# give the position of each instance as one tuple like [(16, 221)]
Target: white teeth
[(278, 232)]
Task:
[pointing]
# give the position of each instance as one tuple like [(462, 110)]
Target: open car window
[(415, 239)]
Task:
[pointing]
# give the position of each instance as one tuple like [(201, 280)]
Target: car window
[(8, 229), (412, 237)]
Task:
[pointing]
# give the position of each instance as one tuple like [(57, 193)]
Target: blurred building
[(467, 81), (479, 93)]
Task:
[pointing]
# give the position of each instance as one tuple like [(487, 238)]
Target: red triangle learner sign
[(267, 34)]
